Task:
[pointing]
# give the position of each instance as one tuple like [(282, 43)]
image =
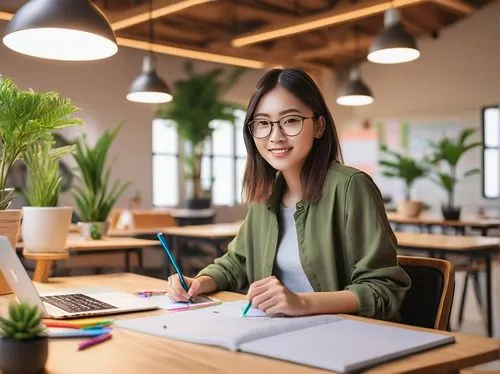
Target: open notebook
[(325, 341)]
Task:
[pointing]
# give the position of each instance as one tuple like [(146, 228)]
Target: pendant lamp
[(394, 44), (148, 87), (355, 92), (68, 30)]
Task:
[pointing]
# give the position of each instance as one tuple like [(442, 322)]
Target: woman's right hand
[(177, 293)]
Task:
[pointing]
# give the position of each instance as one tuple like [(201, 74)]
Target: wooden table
[(426, 220), (132, 352), (470, 246), (432, 244), (76, 245)]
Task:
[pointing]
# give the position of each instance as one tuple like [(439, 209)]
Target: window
[(491, 152), (165, 164), (222, 165)]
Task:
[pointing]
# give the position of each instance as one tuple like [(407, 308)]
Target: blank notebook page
[(346, 345)]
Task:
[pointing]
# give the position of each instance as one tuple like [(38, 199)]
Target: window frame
[(485, 148)]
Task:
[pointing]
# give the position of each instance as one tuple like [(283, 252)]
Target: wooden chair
[(149, 219), (429, 300), (113, 218)]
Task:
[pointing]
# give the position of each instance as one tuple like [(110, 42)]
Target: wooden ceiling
[(263, 33)]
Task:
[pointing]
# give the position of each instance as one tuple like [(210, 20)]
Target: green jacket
[(345, 243)]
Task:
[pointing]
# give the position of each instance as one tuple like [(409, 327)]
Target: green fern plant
[(93, 195), (44, 181), (25, 118), (198, 100), (23, 322)]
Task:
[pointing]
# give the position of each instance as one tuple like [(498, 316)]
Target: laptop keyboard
[(75, 303)]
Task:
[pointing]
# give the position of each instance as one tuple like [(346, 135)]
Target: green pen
[(244, 314)]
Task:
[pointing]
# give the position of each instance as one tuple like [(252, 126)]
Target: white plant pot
[(45, 229), (93, 230), (409, 208)]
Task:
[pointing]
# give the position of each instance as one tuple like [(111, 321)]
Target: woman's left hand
[(270, 296)]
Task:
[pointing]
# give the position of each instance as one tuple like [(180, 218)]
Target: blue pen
[(172, 260)]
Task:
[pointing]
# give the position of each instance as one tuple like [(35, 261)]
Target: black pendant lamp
[(68, 30), (148, 87), (354, 92), (394, 45)]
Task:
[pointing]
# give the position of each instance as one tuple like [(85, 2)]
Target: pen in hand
[(172, 260), (245, 310)]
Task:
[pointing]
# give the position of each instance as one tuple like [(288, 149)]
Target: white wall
[(455, 77)]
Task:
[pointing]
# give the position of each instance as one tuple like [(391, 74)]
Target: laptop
[(62, 305)]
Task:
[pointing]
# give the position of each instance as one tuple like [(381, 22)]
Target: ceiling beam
[(5, 16), (334, 48), (457, 6), (267, 14), (338, 15), (196, 54), (139, 14)]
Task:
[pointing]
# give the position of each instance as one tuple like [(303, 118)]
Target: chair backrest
[(113, 218), (148, 219), (429, 299)]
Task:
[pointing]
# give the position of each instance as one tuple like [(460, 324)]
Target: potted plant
[(198, 100), (407, 169), (448, 152), (23, 345), (45, 225), (93, 195), (25, 116)]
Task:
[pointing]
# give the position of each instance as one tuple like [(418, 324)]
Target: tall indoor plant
[(45, 225), (444, 158), (25, 117), (93, 195), (408, 170), (198, 100)]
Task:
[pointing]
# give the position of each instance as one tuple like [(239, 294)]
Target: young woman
[(316, 237)]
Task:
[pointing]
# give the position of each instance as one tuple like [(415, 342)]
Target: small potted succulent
[(92, 192), (23, 345)]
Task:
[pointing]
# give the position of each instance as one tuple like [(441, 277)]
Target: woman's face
[(282, 152)]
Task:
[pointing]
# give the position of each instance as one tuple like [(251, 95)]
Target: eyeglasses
[(289, 125)]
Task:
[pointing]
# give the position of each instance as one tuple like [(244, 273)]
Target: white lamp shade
[(148, 87), (74, 30)]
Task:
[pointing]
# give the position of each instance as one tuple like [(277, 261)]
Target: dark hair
[(260, 176)]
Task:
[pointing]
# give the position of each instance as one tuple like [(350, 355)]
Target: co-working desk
[(132, 352)]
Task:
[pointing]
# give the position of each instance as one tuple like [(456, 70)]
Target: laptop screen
[(16, 276)]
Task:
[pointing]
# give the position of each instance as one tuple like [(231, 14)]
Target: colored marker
[(94, 341)]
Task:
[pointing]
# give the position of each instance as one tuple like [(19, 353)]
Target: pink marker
[(94, 341)]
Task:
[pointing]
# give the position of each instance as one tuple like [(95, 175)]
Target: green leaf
[(91, 191), (402, 167), (26, 118)]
